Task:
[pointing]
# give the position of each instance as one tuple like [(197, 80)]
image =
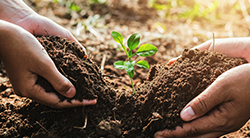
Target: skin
[(224, 106), (24, 57)]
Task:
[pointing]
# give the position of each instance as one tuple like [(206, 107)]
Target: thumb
[(203, 46), (171, 61), (59, 82), (204, 102)]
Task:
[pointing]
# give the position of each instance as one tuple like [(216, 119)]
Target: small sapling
[(144, 50)]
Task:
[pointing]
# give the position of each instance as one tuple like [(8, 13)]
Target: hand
[(232, 47), (224, 106), (17, 12), (24, 58), (40, 25), (21, 46)]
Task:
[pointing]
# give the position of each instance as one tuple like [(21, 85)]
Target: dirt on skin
[(118, 113)]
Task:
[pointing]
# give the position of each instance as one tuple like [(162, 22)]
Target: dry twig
[(4, 81), (103, 61), (85, 123), (42, 127)]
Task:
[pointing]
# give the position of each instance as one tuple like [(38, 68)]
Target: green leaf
[(74, 7), (117, 37), (55, 1), (143, 64), (131, 73), (119, 65), (129, 67), (146, 50), (133, 41), (130, 54)]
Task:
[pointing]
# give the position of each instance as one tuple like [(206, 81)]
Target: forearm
[(14, 10)]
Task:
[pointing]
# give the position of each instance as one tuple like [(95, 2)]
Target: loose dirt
[(119, 112)]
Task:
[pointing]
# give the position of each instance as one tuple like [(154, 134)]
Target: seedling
[(144, 50)]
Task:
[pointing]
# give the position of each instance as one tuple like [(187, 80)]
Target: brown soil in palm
[(73, 63), (118, 113)]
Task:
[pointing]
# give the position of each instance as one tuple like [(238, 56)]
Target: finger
[(60, 83), (70, 37), (171, 61), (204, 102), (224, 46), (49, 27), (74, 103), (52, 100), (89, 102), (204, 46), (209, 135), (47, 69), (205, 126)]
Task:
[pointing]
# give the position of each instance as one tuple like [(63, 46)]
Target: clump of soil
[(118, 113), (73, 63)]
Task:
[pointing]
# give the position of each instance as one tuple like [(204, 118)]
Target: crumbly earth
[(118, 113)]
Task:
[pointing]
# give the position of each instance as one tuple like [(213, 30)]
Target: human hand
[(40, 25), (24, 58), (224, 106), (17, 12), (232, 47)]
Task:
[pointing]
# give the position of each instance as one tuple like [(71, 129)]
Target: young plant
[(144, 50)]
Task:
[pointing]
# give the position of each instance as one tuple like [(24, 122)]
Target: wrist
[(14, 10)]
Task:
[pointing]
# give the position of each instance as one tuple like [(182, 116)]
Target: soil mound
[(170, 87), (118, 113)]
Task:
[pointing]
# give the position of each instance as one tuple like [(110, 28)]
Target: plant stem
[(132, 85), (124, 48)]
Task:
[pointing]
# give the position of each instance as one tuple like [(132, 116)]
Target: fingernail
[(70, 93), (89, 102), (187, 114)]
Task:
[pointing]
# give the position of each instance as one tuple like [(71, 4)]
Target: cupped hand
[(17, 12), (224, 106), (232, 47), (40, 25), (24, 58)]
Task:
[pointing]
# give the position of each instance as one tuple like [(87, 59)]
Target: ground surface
[(23, 117), (119, 112)]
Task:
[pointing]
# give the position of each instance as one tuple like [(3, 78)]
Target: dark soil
[(118, 113)]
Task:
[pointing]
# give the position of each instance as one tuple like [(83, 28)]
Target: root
[(155, 116), (42, 127), (144, 128), (4, 81), (63, 72), (103, 61), (85, 123)]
